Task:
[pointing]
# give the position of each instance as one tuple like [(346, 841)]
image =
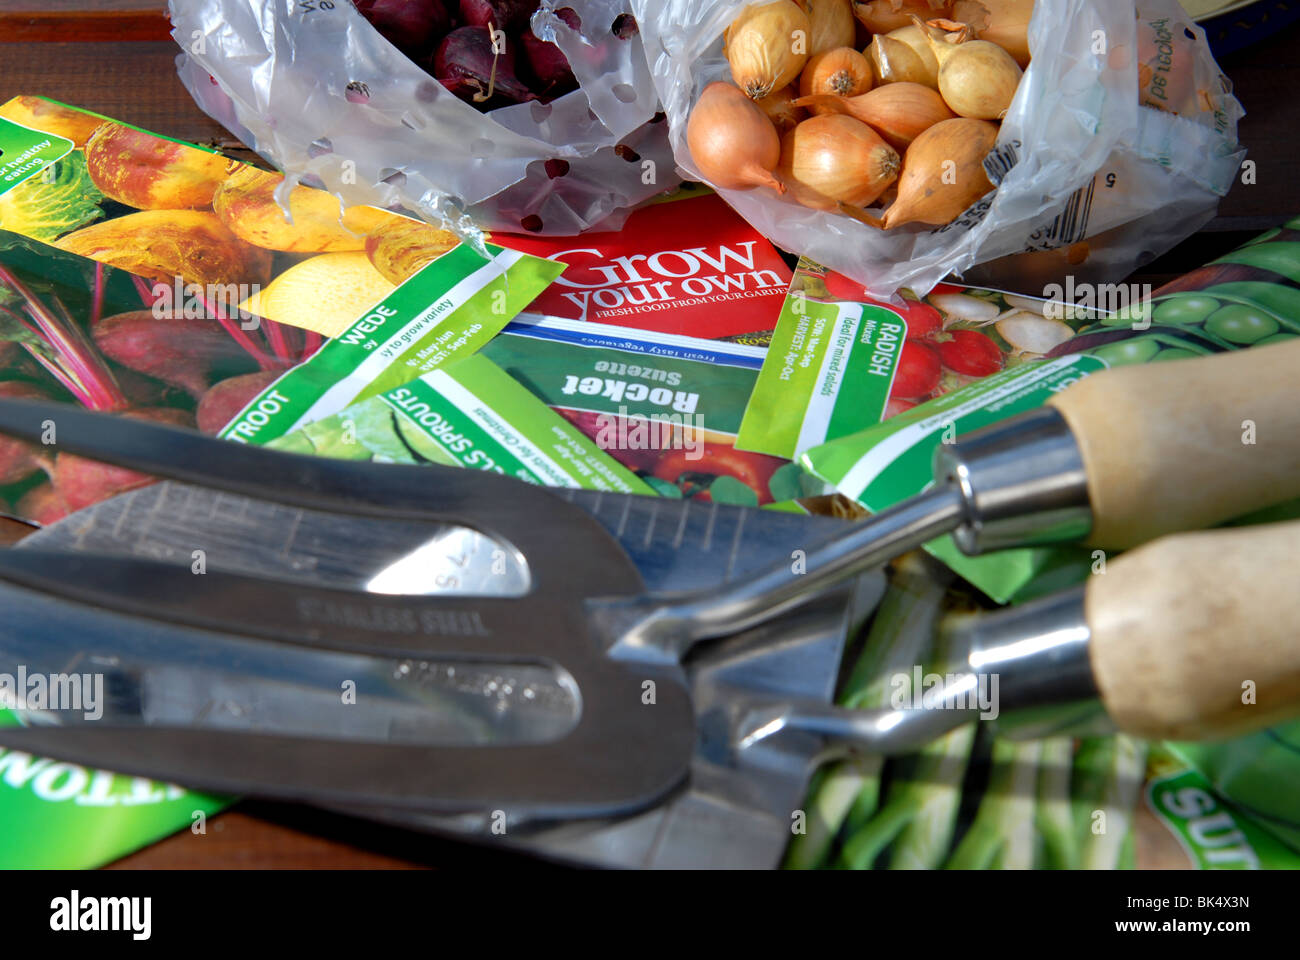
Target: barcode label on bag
[(1070, 225), (1001, 159)]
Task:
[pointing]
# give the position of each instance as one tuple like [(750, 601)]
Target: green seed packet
[(472, 415), (829, 370), (61, 816), (1216, 834), (888, 463), (448, 310)]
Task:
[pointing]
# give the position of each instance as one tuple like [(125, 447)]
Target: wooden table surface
[(111, 21), (118, 62)]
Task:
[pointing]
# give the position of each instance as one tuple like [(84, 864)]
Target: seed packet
[(448, 310), (840, 361), (28, 152), (1259, 774), (52, 304), (142, 274), (75, 331), (471, 415), (1217, 834), (1242, 787), (665, 406), (61, 816), (830, 370), (973, 800), (688, 265), (1236, 302), (968, 799), (203, 230), (205, 239)]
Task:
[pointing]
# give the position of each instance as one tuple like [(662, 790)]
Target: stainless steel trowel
[(630, 678)]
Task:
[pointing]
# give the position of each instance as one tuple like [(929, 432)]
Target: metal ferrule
[(1023, 483), (1036, 658)]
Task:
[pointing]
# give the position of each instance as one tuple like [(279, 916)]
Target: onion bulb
[(832, 25), (1004, 22), (842, 72), (919, 41), (780, 109), (893, 61), (978, 79), (943, 173), (767, 46), (899, 112), (835, 160), (732, 141), (881, 16)]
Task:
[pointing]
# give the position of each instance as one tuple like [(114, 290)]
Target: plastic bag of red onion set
[(321, 93)]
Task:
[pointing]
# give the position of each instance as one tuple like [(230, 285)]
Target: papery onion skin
[(732, 141), (919, 42), (882, 16), (413, 26), (842, 72), (548, 65), (839, 160), (979, 80), (893, 61), (831, 23), (767, 46), (508, 15), (1004, 22), (469, 64), (780, 109), (943, 173), (899, 112)]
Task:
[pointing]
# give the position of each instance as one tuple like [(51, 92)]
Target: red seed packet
[(688, 266)]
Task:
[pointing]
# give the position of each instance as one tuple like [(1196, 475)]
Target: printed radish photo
[(955, 335)]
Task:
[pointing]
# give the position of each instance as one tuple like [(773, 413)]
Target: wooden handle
[(1184, 629), (1188, 444)]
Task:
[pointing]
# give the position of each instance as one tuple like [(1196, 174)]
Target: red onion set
[(484, 51)]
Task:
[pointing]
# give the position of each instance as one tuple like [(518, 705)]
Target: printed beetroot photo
[(576, 435)]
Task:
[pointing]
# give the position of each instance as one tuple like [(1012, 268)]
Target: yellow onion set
[(842, 104)]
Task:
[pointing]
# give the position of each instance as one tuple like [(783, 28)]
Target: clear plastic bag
[(318, 92), (1080, 166)]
